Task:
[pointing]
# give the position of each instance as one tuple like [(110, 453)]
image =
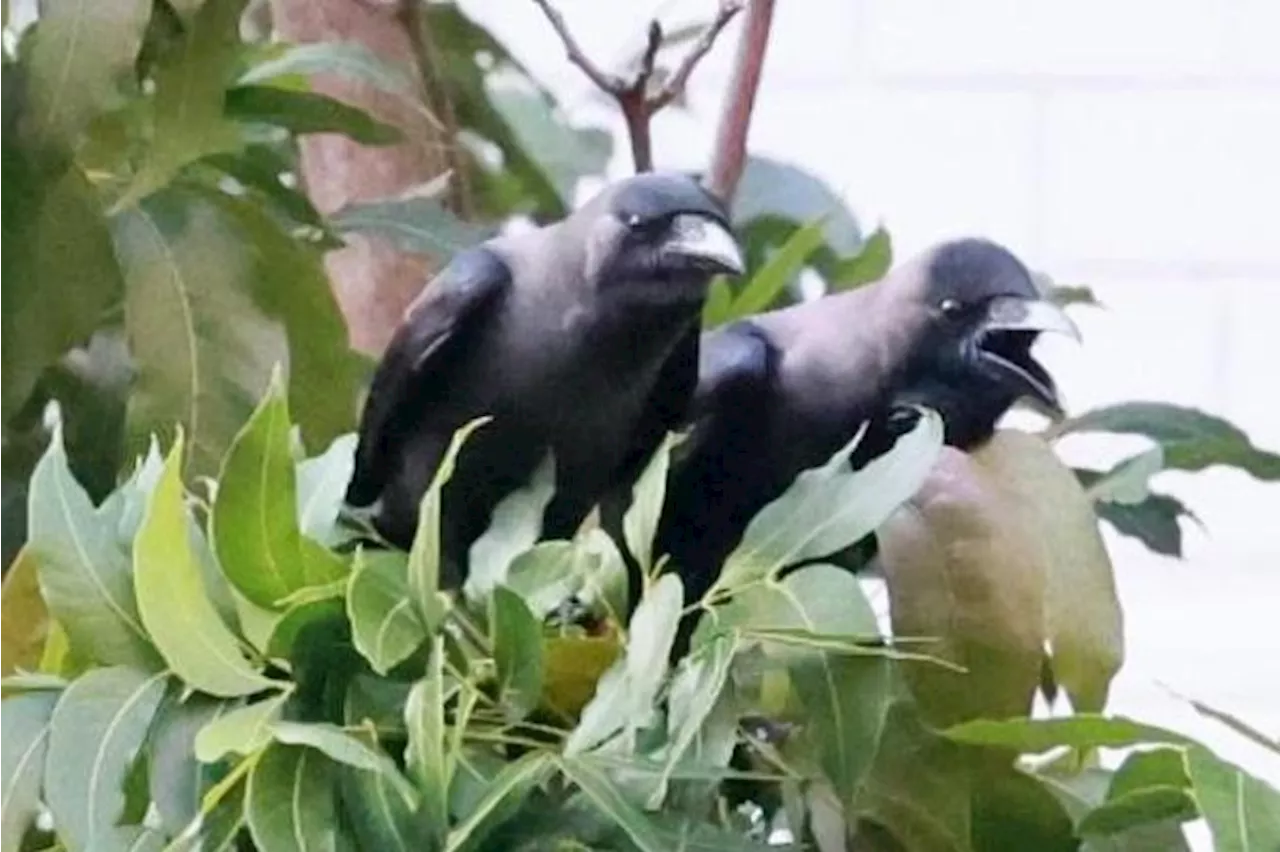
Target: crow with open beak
[(781, 392), (580, 338)]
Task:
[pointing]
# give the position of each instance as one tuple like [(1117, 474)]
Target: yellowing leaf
[(960, 567), (173, 601), (25, 623), (1083, 621)]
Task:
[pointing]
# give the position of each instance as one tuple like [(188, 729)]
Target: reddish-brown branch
[(730, 153), (638, 105)]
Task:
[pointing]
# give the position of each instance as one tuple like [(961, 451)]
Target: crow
[(580, 338), (781, 392)]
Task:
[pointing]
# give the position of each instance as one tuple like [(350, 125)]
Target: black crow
[(781, 392), (580, 338)]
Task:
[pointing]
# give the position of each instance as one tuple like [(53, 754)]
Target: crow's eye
[(950, 307)]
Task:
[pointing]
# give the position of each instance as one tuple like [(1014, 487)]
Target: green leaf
[(1081, 731), (217, 296), (96, 732), (1243, 812), (514, 529), (504, 795), (1161, 767), (626, 693), (344, 748), (25, 624), (772, 188), (384, 624), (1083, 622), (351, 60), (589, 567), (254, 520), (919, 787), (417, 225), (305, 615), (321, 481), (718, 307), (1191, 439), (563, 153), (173, 600), (22, 752), (783, 266), (378, 816), (1013, 811), (307, 112), (871, 263), (1140, 807), (1154, 521), (785, 532), (1128, 481), (963, 566), (188, 122), (243, 730), (695, 692), (84, 575), (61, 271), (290, 801), (260, 169), (176, 778), (125, 506), (640, 521), (1082, 793), (426, 756), (611, 803), (517, 652), (79, 63), (424, 554)]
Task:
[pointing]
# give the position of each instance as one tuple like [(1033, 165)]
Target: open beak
[(703, 243), (1003, 346)]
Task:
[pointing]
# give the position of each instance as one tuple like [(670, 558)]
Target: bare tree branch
[(730, 152), (633, 97)]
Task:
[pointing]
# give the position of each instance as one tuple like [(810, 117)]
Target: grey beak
[(1010, 313), (705, 242)]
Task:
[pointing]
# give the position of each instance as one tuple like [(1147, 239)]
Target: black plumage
[(580, 338), (781, 392)]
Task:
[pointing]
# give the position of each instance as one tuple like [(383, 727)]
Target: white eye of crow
[(950, 307)]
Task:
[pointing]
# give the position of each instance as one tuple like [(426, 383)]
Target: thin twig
[(638, 105), (730, 153)]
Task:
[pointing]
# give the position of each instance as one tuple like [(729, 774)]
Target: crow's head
[(658, 236), (973, 359)]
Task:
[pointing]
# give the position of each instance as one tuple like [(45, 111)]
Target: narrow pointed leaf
[(625, 695), (290, 801), (25, 741), (517, 649), (695, 692), (84, 574), (96, 732), (780, 269), (424, 555), (426, 756), (254, 525), (385, 626), (80, 63), (344, 748), (379, 816), (515, 528), (176, 778), (174, 602), (418, 225), (1082, 731), (307, 112), (785, 532), (506, 792), (609, 800), (321, 482), (647, 495), (347, 59), (242, 730), (188, 121)]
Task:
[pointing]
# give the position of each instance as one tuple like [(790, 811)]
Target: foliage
[(197, 659)]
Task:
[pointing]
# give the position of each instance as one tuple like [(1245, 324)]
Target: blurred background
[(1131, 147)]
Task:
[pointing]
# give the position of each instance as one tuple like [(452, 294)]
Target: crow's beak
[(1003, 343), (703, 243)]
